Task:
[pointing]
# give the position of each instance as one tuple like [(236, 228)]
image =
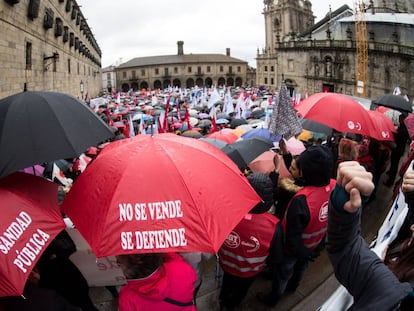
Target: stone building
[(47, 46), (108, 78), (182, 70), (322, 56)]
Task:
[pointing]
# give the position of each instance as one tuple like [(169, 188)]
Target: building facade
[(47, 46), (182, 70), (323, 56), (108, 79)]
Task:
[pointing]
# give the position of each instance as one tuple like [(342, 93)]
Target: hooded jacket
[(174, 280)]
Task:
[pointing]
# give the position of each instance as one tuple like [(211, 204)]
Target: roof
[(395, 18), (180, 59)]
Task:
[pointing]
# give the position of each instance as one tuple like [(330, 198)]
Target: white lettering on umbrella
[(29, 252), (154, 239), (155, 210), (14, 232)]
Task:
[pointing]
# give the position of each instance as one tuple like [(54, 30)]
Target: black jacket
[(370, 282)]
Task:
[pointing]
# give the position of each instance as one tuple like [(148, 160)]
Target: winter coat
[(370, 282), (173, 280)]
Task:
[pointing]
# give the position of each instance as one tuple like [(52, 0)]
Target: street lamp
[(81, 89)]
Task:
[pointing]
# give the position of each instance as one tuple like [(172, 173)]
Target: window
[(142, 72), (272, 81), (28, 56), (166, 71), (108, 76), (208, 69), (221, 68), (124, 74), (272, 68), (230, 69), (199, 69), (175, 69), (265, 69), (133, 73), (189, 70), (78, 68), (265, 80), (68, 65), (238, 69), (157, 71)]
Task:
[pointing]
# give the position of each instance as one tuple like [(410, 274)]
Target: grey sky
[(125, 29)]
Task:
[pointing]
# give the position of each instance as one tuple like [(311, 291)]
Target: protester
[(156, 281), (371, 283), (401, 138), (304, 223), (243, 255)]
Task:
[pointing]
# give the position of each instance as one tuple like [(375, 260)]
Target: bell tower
[(286, 18)]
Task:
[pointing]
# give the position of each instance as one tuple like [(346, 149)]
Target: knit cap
[(263, 185), (316, 164)]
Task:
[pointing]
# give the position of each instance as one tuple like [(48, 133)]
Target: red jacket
[(317, 199), (245, 250), (174, 279)]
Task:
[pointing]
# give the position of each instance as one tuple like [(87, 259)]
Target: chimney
[(227, 51), (180, 45)]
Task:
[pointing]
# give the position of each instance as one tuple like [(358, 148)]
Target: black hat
[(316, 164), (264, 188)]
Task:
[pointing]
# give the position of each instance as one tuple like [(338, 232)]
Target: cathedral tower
[(286, 18)]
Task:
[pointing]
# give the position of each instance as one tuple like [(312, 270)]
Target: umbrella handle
[(218, 277)]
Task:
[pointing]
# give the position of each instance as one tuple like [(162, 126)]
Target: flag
[(397, 90), (213, 119), (118, 98), (59, 176), (214, 98), (131, 126), (160, 122), (81, 163), (228, 103), (187, 119), (165, 119), (142, 129)]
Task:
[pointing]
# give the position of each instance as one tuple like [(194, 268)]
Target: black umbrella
[(215, 142), (396, 102), (38, 127), (236, 122), (244, 151), (317, 127)]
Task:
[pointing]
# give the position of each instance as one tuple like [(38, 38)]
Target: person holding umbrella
[(243, 254), (156, 281), (304, 223)]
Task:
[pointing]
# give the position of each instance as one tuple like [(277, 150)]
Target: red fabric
[(245, 250), (175, 280), (317, 199)]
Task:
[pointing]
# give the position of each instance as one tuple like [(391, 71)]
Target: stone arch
[(166, 83), (239, 81), (143, 85), (177, 82), (230, 82), (190, 83), (208, 82), (134, 86), (125, 87), (157, 84), (221, 81), (199, 82)]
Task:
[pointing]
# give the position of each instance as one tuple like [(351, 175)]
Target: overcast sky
[(125, 29)]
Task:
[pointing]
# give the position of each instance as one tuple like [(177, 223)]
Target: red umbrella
[(30, 221), (227, 137), (158, 193), (337, 111), (383, 126)]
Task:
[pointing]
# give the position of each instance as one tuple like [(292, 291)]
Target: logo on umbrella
[(354, 126)]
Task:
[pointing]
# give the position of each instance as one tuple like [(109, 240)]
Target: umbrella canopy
[(316, 127), (38, 127), (242, 152), (226, 136), (337, 111), (396, 102), (29, 223), (214, 141), (261, 132), (236, 122), (264, 164), (161, 193), (383, 126), (192, 134)]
